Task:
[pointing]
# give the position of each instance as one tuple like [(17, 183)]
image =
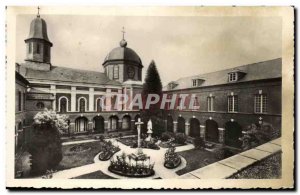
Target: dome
[(38, 30), (122, 53)]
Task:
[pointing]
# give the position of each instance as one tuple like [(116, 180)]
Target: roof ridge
[(227, 69)]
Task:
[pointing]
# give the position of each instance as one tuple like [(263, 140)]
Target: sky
[(180, 45)]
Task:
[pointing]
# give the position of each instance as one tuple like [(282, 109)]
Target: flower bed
[(172, 159), (138, 166), (107, 151)]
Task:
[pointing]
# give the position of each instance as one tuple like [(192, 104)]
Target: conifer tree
[(152, 85)]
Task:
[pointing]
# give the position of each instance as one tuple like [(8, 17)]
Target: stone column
[(73, 99), (175, 126), (108, 105), (166, 125), (53, 91), (120, 125), (221, 135), (187, 128), (106, 127), (91, 99), (202, 132), (72, 128), (90, 126)]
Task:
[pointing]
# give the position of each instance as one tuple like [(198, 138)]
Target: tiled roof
[(257, 71), (63, 74)]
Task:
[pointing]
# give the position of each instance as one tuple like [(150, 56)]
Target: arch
[(82, 104), (81, 124), (98, 122), (63, 104), (99, 104), (113, 123), (169, 123), (194, 127), (233, 131), (126, 122), (211, 131), (181, 125)]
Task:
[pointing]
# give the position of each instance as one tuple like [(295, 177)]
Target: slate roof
[(256, 71), (63, 74)]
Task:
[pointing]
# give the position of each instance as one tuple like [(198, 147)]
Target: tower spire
[(38, 13), (123, 32)]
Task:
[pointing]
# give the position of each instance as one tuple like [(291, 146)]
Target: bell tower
[(38, 46)]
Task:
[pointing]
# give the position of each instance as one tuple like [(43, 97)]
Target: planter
[(173, 165), (143, 172)]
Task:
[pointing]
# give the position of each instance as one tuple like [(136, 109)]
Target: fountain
[(133, 165)]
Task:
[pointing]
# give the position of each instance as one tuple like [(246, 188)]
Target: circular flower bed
[(172, 159), (132, 166)]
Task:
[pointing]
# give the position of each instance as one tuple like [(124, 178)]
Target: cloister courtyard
[(81, 158)]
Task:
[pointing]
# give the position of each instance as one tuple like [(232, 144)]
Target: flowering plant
[(48, 118)]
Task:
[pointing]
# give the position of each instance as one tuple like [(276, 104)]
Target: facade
[(230, 100), (20, 109), (79, 93)]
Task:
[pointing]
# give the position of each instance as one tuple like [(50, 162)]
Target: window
[(37, 48), (24, 99), (195, 103), (99, 105), (116, 72), (260, 103), (63, 105), (82, 105), (46, 51), (180, 103), (210, 103), (195, 83), (29, 47), (40, 105), (232, 103), (19, 101), (232, 77)]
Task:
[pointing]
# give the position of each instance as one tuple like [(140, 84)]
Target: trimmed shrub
[(166, 136), (180, 138), (199, 143)]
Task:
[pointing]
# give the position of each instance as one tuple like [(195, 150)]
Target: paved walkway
[(156, 156), (229, 166)]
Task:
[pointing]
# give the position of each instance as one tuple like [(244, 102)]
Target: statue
[(149, 132)]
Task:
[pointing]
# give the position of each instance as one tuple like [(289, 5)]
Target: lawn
[(94, 175), (196, 158), (76, 159), (269, 168)]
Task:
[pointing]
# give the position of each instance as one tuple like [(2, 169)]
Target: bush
[(45, 145), (166, 136), (199, 143), (180, 138)]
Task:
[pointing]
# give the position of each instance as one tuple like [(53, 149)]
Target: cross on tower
[(123, 32), (38, 15)]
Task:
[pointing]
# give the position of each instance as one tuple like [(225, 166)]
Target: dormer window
[(232, 77), (197, 82), (235, 75), (172, 85)]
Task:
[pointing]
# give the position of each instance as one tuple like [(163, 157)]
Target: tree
[(152, 85), (45, 145)]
